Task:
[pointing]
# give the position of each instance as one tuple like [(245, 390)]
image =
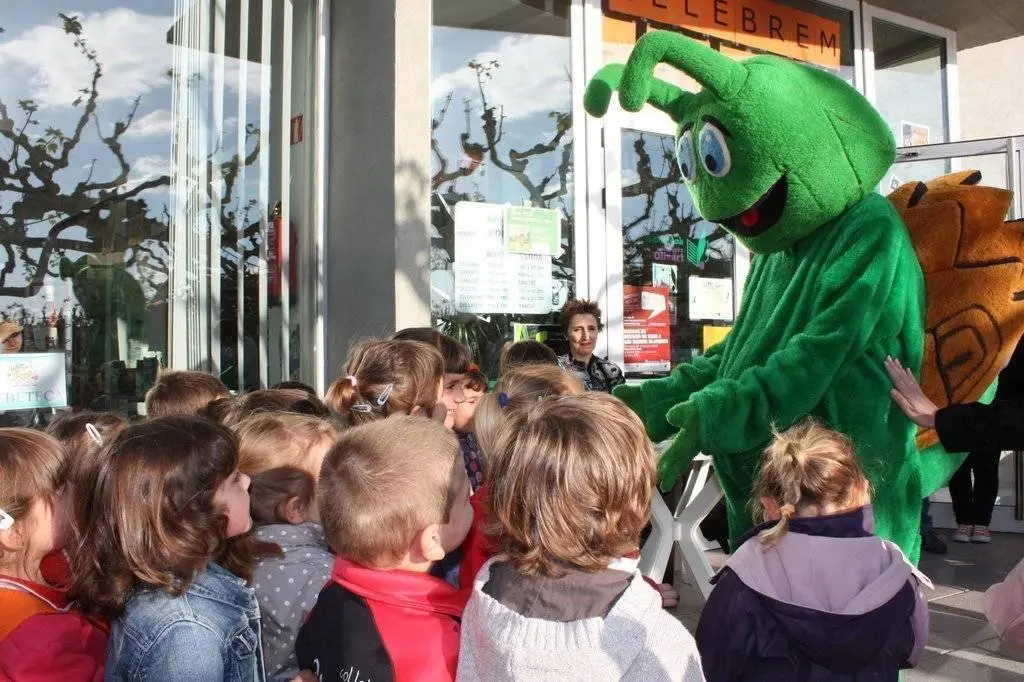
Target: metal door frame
[(1010, 146)]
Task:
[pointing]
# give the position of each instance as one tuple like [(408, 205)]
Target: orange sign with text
[(759, 24)]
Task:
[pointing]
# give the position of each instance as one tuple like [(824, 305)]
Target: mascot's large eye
[(714, 152), (685, 157)]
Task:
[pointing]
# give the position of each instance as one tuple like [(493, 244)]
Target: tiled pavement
[(961, 646)]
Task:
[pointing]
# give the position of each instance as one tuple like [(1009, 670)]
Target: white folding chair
[(700, 495)]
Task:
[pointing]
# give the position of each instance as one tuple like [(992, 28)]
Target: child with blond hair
[(571, 481), (813, 593), (282, 453), (393, 500)]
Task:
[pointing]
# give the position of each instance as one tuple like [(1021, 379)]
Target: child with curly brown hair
[(517, 390), (571, 480)]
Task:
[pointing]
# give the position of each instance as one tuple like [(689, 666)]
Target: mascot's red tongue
[(750, 218)]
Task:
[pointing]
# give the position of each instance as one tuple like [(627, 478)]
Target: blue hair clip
[(503, 400)]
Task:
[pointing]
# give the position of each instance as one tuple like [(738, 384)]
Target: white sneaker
[(981, 534), (963, 533)]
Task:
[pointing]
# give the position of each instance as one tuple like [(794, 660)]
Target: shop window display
[(502, 256)]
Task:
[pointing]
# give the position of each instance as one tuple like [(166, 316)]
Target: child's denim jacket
[(211, 632)]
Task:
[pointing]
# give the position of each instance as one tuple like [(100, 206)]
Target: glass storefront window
[(141, 157), (502, 140), (911, 95), (668, 246), (910, 83)]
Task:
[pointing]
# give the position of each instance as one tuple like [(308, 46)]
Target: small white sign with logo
[(31, 380)]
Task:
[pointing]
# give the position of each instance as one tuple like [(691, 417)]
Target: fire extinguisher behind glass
[(275, 258)]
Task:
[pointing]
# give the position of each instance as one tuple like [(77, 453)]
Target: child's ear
[(863, 493), (440, 413), (12, 537), (294, 512), (771, 509), (429, 543)]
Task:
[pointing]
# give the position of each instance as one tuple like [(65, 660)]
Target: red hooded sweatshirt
[(382, 625)]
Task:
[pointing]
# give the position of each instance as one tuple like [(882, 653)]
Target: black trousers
[(973, 500)]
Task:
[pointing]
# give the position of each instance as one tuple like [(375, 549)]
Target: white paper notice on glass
[(710, 298), (488, 279)]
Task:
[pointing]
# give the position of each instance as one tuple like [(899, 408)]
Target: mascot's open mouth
[(765, 212)]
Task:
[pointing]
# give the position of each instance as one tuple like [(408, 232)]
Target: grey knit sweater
[(635, 640)]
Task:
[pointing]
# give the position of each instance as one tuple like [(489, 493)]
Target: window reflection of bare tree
[(660, 224), (117, 242), (483, 145), (644, 228)]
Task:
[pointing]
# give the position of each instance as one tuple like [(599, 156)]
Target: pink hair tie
[(352, 378)]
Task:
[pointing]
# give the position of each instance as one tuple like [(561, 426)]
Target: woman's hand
[(908, 395)]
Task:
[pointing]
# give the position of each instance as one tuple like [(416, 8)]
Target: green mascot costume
[(787, 158)]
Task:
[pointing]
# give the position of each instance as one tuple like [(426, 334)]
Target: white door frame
[(610, 288)]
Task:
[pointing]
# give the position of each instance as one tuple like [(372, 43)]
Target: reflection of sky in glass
[(528, 80), (40, 62)]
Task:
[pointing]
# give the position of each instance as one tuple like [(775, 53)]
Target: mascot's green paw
[(633, 397), (676, 460)]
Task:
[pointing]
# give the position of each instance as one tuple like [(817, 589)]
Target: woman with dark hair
[(581, 320)]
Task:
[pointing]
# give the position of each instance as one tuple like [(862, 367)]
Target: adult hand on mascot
[(677, 458), (908, 395), (633, 397)]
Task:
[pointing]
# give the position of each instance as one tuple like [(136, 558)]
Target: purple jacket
[(829, 601)]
